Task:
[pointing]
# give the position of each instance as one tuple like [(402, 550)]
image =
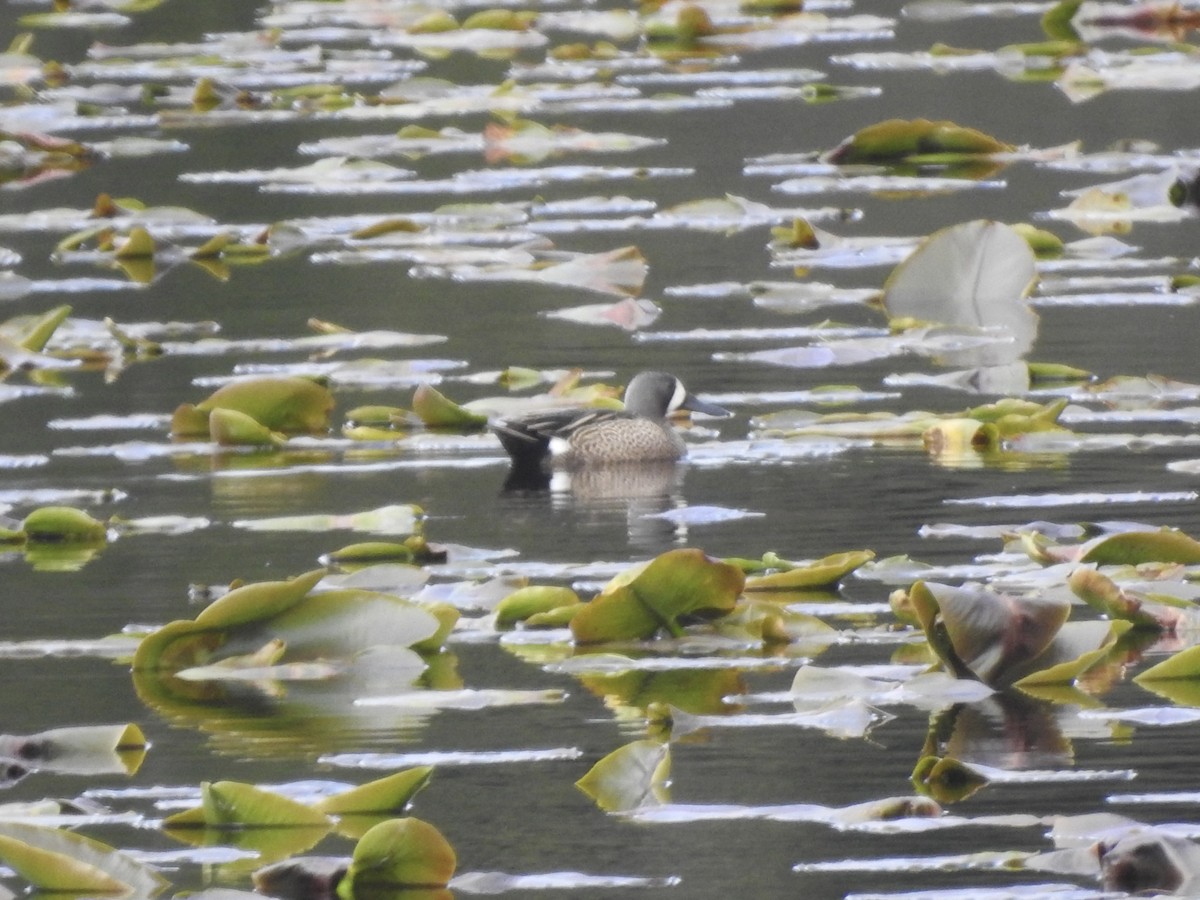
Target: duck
[(641, 432)]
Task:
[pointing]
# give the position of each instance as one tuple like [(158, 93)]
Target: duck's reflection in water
[(639, 491)]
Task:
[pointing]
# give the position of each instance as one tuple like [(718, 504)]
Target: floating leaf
[(390, 794), (63, 524), (899, 139), (84, 750), (639, 603), (518, 606), (231, 804), (230, 428), (398, 853), (54, 860), (825, 572), (289, 405), (1132, 548), (631, 777), (975, 274), (438, 411)]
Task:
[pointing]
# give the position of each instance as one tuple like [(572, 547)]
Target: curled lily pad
[(52, 859), (631, 777), (232, 804), (63, 524), (825, 572), (1102, 593), (338, 624), (534, 600), (638, 603), (438, 411), (85, 749), (228, 427), (399, 853), (995, 639), (388, 794), (288, 405)]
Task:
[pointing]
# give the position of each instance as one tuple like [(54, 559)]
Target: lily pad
[(631, 777), (232, 804), (288, 405), (917, 139), (389, 794), (640, 602), (399, 853)]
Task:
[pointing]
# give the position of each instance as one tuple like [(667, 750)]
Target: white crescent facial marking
[(678, 397)]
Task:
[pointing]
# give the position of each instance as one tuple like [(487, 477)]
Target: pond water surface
[(526, 816)]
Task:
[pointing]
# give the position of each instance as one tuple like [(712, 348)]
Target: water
[(529, 817)]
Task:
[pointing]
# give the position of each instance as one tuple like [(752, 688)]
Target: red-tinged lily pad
[(288, 405), (979, 634), (232, 804), (638, 603), (1102, 593), (896, 140), (399, 853)]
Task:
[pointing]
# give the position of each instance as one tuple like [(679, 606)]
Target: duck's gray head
[(655, 395)]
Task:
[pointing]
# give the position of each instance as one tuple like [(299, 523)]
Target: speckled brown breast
[(623, 440)]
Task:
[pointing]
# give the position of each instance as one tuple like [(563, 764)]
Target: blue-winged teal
[(638, 433)]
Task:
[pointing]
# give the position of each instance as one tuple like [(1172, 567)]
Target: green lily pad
[(232, 804), (258, 601), (63, 524), (438, 411), (287, 405), (639, 602), (1183, 665), (895, 140), (231, 428), (399, 853), (822, 573), (1131, 548), (1102, 593), (535, 600), (390, 794), (53, 860)]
